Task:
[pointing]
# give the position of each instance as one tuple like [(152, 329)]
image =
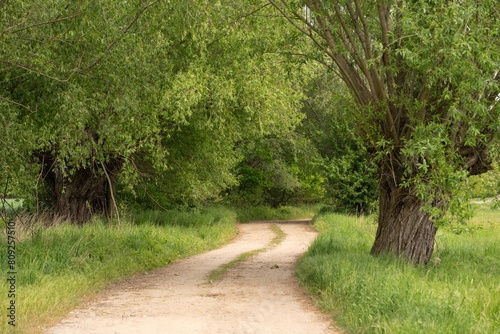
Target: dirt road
[(258, 295)]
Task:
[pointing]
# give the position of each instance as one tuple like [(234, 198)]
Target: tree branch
[(348, 74), (111, 191), (384, 19)]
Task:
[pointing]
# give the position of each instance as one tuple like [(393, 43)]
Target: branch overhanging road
[(255, 294)]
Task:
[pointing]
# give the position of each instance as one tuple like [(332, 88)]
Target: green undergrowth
[(459, 292), (247, 214), (59, 265)]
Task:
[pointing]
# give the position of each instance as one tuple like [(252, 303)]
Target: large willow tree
[(426, 78)]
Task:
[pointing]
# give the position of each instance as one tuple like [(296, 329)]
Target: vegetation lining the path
[(253, 213), (458, 292), (59, 265)]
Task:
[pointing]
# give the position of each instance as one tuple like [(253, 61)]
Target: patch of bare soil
[(258, 295)]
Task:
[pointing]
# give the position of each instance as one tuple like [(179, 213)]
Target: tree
[(426, 78), (278, 171), (229, 88), (73, 94)]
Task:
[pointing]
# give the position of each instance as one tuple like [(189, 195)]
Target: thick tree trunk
[(403, 229), (84, 192)]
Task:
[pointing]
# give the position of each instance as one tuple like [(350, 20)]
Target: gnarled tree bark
[(404, 229), (84, 192)]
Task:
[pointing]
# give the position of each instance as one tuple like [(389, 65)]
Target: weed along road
[(247, 286)]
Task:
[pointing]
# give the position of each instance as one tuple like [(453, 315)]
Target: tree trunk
[(403, 229), (84, 192)]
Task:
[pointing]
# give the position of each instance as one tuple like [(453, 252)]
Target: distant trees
[(348, 172)]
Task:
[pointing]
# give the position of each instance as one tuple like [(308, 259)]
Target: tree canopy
[(96, 91), (425, 77)]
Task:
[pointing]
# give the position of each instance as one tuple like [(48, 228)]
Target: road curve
[(258, 295)]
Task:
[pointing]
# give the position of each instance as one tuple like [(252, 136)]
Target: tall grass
[(460, 293), (59, 265)]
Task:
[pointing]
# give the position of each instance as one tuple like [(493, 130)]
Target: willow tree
[(72, 94), (425, 77)]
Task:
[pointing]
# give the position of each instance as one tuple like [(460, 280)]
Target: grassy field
[(459, 293)]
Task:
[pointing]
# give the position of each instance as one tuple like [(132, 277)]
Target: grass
[(57, 266), (247, 214), (459, 294), (279, 235), (219, 272)]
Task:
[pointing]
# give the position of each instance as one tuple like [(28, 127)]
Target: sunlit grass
[(57, 266), (485, 214), (458, 294)]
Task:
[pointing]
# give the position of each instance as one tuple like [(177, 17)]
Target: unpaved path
[(258, 295)]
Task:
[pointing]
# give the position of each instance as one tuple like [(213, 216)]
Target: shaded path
[(258, 295)]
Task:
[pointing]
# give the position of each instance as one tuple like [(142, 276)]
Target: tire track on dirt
[(257, 295)]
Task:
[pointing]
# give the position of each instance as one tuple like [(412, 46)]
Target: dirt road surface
[(258, 295)]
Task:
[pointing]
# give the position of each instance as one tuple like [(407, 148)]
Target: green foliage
[(434, 173), (59, 265), (168, 89), (459, 293), (279, 171), (485, 185), (350, 179), (351, 182)]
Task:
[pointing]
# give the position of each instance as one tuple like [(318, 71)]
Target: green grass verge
[(365, 294), (58, 266)]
